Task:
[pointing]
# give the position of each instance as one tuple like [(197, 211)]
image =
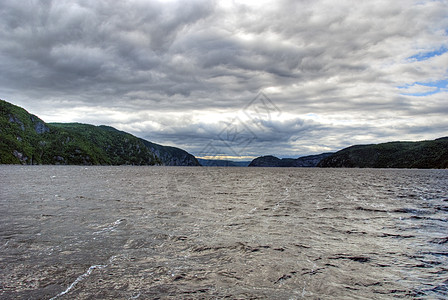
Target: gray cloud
[(179, 72)]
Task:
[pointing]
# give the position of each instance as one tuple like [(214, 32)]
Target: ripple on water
[(136, 233)]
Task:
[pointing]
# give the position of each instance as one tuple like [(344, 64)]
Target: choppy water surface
[(171, 232)]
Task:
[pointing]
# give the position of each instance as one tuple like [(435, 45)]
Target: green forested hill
[(26, 139), (424, 155), (111, 146)]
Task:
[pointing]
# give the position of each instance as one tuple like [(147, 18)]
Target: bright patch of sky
[(428, 54), (421, 89)]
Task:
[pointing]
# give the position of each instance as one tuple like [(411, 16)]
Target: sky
[(233, 79)]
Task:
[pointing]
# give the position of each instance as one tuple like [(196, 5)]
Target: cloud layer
[(182, 73)]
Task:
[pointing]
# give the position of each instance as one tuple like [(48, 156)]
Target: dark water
[(171, 232)]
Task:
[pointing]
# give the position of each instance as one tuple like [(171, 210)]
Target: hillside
[(304, 161), (423, 155), (26, 139)]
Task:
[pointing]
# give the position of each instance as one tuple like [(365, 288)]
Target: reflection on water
[(174, 232)]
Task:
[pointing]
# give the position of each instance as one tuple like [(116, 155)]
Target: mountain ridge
[(428, 154), (309, 161), (26, 139)]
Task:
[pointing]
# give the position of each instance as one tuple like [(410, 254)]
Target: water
[(172, 232)]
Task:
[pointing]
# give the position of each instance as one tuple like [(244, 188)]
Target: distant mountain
[(222, 163), (26, 139), (241, 163), (304, 161), (424, 155)]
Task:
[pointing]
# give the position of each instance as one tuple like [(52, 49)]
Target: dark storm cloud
[(178, 72), (66, 46)]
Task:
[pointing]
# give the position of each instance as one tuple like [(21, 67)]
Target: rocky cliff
[(172, 156)]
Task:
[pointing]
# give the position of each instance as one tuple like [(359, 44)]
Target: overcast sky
[(233, 78)]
